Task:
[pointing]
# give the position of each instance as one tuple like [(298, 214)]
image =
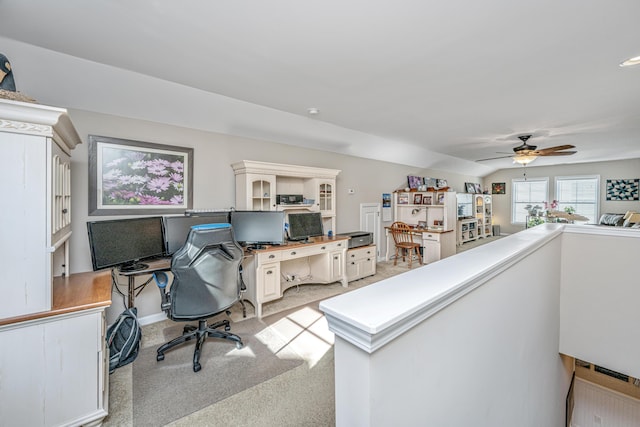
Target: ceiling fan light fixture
[(524, 160), (631, 61)]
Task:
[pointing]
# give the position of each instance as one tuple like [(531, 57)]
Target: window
[(530, 192), (579, 193)]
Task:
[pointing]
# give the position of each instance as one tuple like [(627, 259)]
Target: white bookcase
[(484, 211), (437, 209)]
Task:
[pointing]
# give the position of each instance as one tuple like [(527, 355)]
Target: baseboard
[(152, 318)]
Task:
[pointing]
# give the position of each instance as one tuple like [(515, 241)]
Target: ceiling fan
[(525, 153)]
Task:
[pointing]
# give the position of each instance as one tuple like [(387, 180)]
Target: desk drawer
[(361, 253), (432, 237), (303, 251), (271, 256)]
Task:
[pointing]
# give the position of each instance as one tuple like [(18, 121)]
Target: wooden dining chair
[(403, 238)]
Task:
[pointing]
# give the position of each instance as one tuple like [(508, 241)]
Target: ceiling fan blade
[(495, 158), (556, 153), (557, 148)]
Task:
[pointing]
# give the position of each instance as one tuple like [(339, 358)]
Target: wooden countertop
[(291, 245), (79, 291), (426, 230)]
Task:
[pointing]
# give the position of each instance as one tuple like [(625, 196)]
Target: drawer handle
[(339, 244), (336, 257), (65, 210), (272, 256), (353, 262), (323, 248), (353, 256), (269, 271), (293, 253)]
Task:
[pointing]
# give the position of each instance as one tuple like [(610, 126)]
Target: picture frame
[(441, 198), (403, 199), (414, 181), (427, 199), (470, 187), (417, 199), (498, 188), (478, 188), (441, 183), (623, 189), (129, 177), (422, 224)]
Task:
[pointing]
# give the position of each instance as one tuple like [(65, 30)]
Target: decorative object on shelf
[(469, 187), (417, 199), (403, 199), (441, 198), (133, 177), (422, 224), (441, 183), (414, 181), (427, 199), (478, 188), (498, 188), (430, 183), (622, 189), (6, 75)]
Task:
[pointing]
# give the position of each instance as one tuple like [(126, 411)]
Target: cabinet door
[(270, 276), (261, 191), (368, 266), (326, 196), (336, 264), (53, 374)]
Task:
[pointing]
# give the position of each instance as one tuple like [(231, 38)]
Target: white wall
[(474, 341), (622, 169), (214, 181), (599, 298)]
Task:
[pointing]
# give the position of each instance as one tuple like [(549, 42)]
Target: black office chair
[(206, 282)]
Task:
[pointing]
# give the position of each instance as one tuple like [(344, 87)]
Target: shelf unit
[(484, 212), (258, 183), (436, 208), (467, 230)]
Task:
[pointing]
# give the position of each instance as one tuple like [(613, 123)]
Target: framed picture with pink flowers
[(138, 178)]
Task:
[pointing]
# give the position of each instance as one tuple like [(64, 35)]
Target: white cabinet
[(51, 376), (36, 223), (483, 212), (467, 230), (258, 184), (361, 262)]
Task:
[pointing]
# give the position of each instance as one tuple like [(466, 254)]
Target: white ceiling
[(434, 84)]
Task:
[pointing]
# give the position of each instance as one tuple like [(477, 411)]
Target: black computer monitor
[(125, 242), (258, 228), (305, 225), (176, 228)]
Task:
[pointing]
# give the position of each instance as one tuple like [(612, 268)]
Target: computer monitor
[(176, 228), (305, 225), (258, 228), (125, 242)]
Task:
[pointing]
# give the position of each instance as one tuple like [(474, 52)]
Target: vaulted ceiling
[(433, 84)]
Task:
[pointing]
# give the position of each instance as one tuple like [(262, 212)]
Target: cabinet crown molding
[(37, 119), (251, 166)]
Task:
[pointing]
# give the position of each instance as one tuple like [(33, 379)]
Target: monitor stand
[(133, 266)]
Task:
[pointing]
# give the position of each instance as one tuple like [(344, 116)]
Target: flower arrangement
[(553, 205)]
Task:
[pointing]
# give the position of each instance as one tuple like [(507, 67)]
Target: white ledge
[(395, 305)]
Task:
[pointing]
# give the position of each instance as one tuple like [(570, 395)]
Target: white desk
[(269, 272), (436, 244)]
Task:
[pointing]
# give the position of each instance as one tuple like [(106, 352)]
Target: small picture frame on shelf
[(427, 199), (441, 198), (417, 199), (422, 224), (470, 187), (403, 199)]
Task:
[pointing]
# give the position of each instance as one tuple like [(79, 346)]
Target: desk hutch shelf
[(258, 183)]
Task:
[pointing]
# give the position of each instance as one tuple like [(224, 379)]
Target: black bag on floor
[(123, 339)]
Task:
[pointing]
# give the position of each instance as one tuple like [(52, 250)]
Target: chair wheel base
[(239, 345), (196, 367), (160, 357)]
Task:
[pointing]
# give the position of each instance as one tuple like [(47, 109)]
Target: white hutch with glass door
[(484, 211), (53, 362), (258, 184)]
